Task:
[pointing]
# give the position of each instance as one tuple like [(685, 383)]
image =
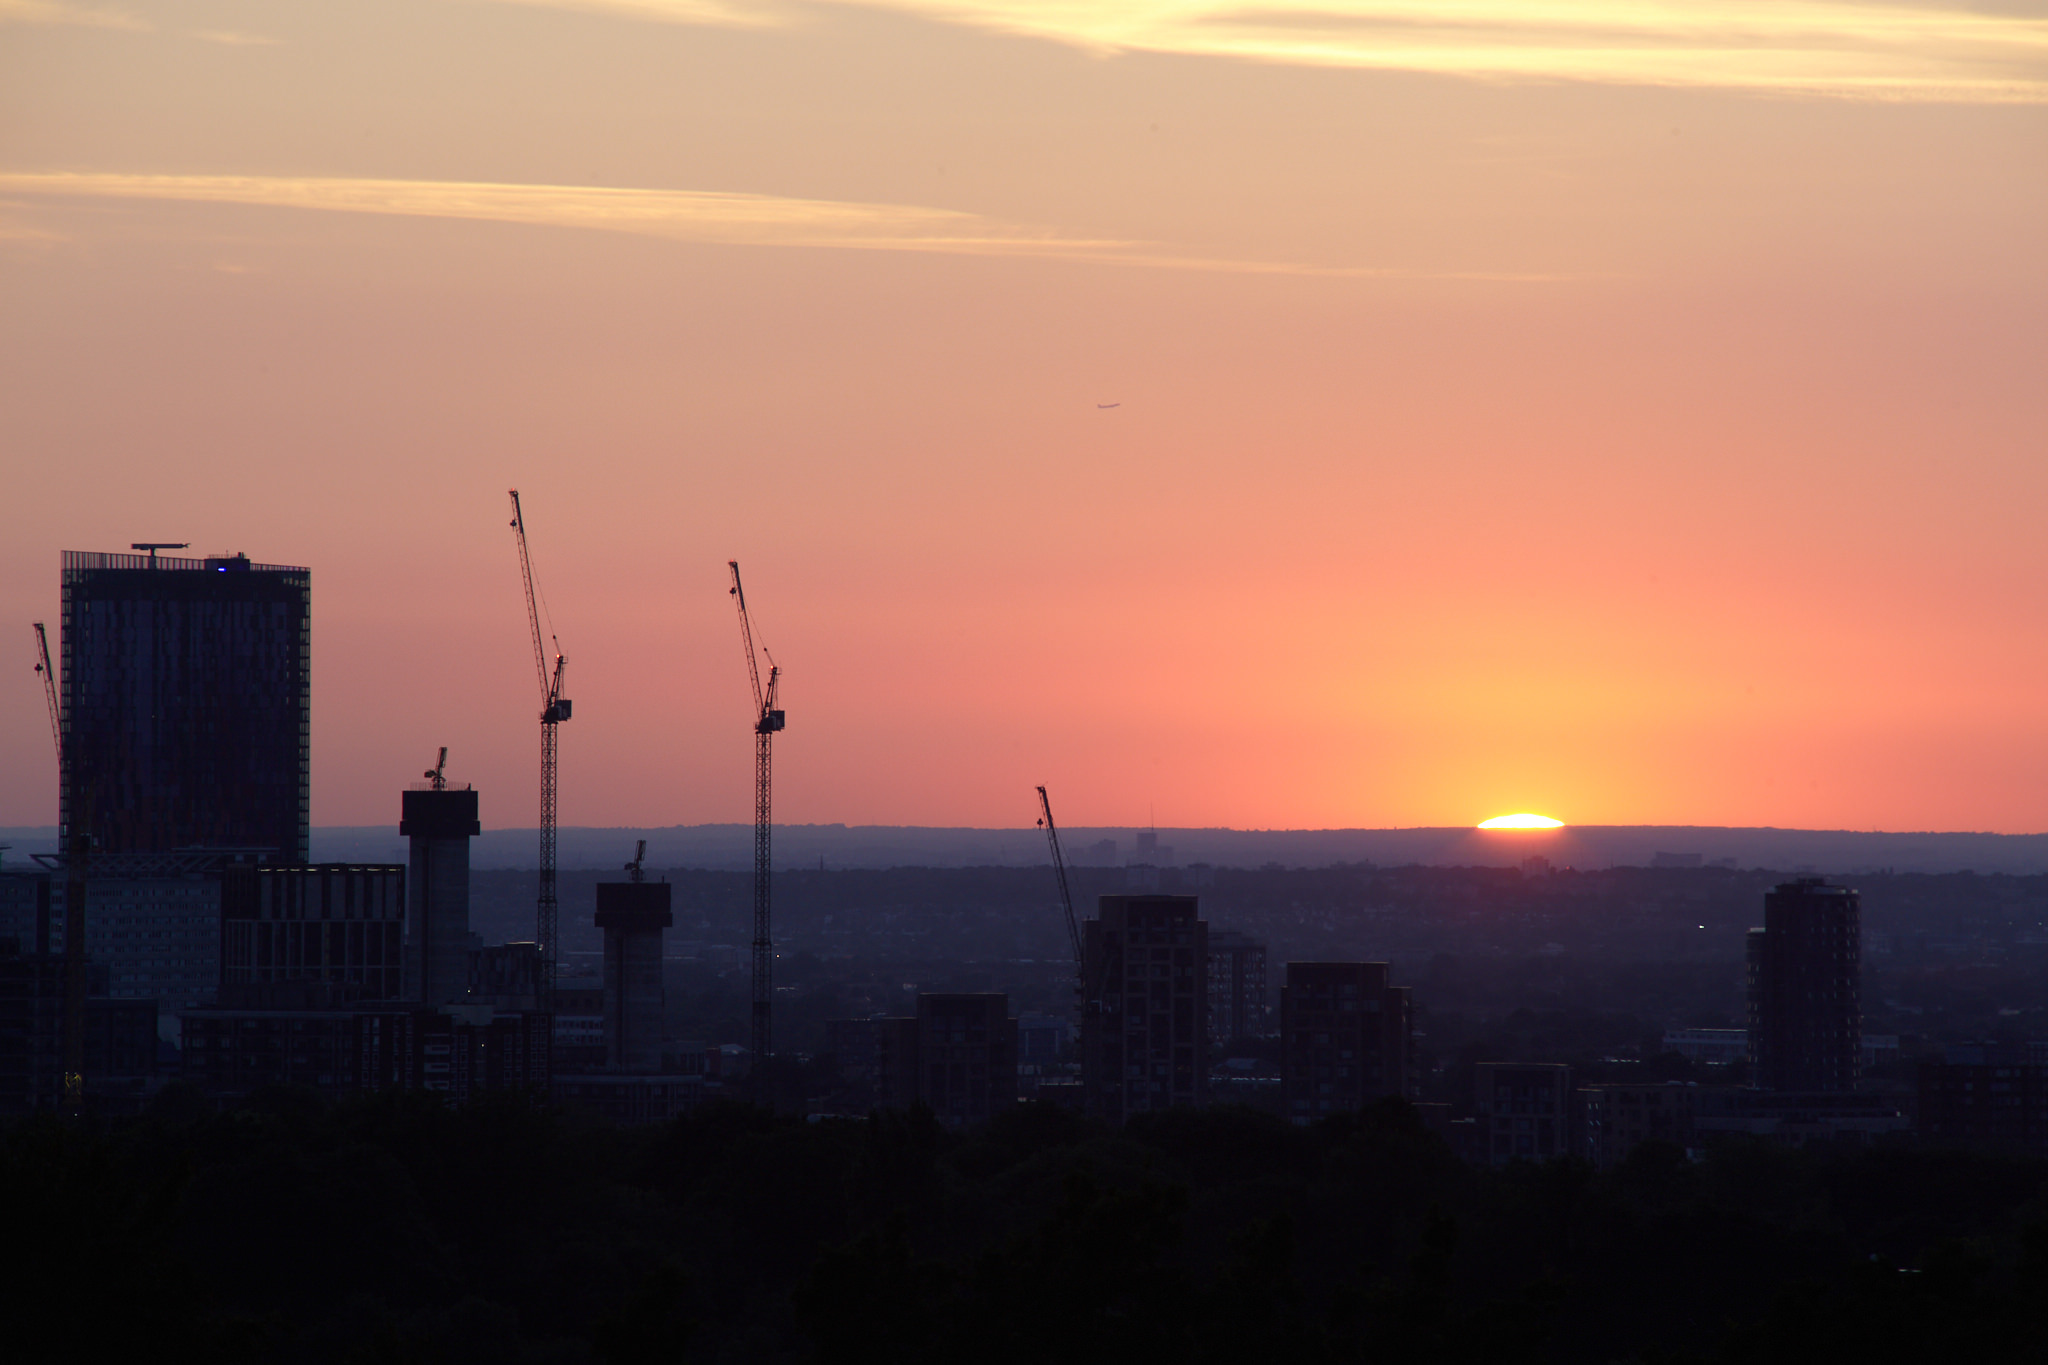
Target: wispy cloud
[(733, 13), (1853, 49), (52, 12), (232, 38), (679, 215), (684, 215)]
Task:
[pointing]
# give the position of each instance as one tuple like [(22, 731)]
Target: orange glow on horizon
[(1157, 402), (1522, 821)]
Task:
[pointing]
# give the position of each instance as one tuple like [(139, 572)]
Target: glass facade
[(187, 704)]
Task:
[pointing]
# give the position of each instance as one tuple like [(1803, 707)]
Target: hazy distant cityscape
[(1656, 1009)]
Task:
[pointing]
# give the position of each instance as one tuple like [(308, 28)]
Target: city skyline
[(1233, 424)]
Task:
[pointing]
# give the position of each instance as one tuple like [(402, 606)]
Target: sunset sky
[(1630, 412)]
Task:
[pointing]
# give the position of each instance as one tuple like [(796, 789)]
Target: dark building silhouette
[(26, 906), (966, 1056), (317, 935), (631, 916), (455, 1051), (1237, 987), (507, 976), (1144, 1029), (1615, 1119), (233, 1051), (877, 1062), (1805, 1009), (579, 1025), (187, 703), (440, 825), (1525, 1112), (622, 1097), (1344, 1036), (120, 1036), (1988, 1095), (153, 921)]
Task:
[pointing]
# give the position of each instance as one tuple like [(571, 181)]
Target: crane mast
[(554, 709), (767, 720), (77, 843)]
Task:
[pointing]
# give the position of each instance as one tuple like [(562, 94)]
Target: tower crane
[(78, 842), (554, 709), (1059, 867), (1065, 901), (767, 720), (49, 676)]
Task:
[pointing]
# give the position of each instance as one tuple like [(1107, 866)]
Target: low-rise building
[(456, 1051), (966, 1056), (1988, 1096), (619, 1097), (1712, 1046), (1796, 1118), (120, 1036), (1615, 1119), (876, 1060)]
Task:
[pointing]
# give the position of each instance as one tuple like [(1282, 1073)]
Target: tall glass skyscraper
[(188, 703)]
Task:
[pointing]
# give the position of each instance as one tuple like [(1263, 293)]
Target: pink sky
[(1586, 408)]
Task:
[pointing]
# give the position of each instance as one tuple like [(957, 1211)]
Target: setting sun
[(1523, 821)]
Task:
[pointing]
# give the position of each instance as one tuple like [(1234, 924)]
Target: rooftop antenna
[(436, 774), (633, 869)]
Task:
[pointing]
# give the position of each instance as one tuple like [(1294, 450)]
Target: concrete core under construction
[(440, 825), (632, 916)]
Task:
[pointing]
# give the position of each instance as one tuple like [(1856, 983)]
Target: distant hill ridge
[(875, 846)]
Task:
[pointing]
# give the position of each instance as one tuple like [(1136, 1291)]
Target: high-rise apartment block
[(632, 916), (1144, 1029), (1237, 987), (1805, 1005), (1344, 1036), (440, 825), (187, 704)]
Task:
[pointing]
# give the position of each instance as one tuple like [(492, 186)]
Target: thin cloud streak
[(233, 38), (1809, 47), (729, 13), (51, 12), (703, 217), (683, 215)]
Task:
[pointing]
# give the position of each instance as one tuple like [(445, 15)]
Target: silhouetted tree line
[(394, 1230)]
